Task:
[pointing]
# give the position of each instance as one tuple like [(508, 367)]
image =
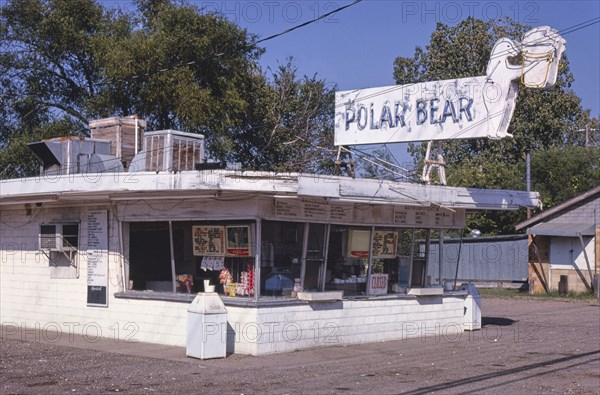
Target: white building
[(121, 254)]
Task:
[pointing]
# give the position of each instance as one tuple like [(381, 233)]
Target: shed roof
[(559, 208), (564, 230)]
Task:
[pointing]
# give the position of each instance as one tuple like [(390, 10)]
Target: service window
[(281, 261), (206, 256), (348, 259)]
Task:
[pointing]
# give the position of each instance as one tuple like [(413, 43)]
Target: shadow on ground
[(499, 321)]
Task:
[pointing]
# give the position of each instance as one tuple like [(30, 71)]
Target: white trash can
[(207, 327), (472, 320)]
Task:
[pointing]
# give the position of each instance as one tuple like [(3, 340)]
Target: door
[(314, 256)]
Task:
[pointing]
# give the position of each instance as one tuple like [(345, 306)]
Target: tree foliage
[(48, 56), (545, 122), (17, 159), (299, 120), (560, 173), (167, 62)]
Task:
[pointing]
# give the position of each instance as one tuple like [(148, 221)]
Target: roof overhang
[(214, 183), (562, 230)]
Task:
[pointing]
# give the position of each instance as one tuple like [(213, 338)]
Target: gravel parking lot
[(526, 345)]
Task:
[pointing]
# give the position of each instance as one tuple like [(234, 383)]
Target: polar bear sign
[(462, 108)]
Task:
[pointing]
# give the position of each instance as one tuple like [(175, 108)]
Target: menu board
[(385, 244), (319, 210), (208, 240), (312, 209), (97, 258), (287, 209), (434, 217), (378, 284)]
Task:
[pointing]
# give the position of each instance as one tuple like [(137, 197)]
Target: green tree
[(16, 159), (48, 56), (297, 129), (542, 119), (181, 69), (559, 173), (167, 62)]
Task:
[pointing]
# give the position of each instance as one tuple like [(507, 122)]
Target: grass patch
[(517, 293)]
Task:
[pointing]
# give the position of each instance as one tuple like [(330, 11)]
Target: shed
[(564, 245)]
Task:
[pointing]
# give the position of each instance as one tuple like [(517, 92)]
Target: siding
[(32, 299), (482, 259)]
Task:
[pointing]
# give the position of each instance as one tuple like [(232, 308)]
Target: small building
[(299, 260), (564, 246)]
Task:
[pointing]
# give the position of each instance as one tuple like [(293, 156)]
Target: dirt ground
[(526, 346)]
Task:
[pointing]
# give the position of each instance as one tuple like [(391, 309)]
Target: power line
[(308, 22), (565, 31), (249, 46)]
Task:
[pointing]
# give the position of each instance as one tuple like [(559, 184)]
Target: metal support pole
[(257, 258), (587, 136), (587, 261), (441, 255), (173, 275), (304, 253), (121, 249), (458, 259), (370, 261), (325, 253), (137, 136), (427, 248)]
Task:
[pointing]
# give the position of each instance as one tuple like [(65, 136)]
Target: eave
[(217, 183)]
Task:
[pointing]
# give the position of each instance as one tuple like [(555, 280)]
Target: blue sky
[(356, 47)]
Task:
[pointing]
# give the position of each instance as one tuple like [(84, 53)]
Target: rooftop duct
[(74, 155)]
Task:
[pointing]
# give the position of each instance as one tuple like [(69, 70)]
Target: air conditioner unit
[(172, 150), (59, 237)]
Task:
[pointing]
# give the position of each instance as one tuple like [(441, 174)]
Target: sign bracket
[(437, 163)]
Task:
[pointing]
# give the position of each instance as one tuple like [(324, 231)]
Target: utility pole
[(587, 131), (587, 136), (528, 177)]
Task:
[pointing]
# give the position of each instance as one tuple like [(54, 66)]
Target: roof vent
[(124, 133), (169, 150), (74, 155)]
